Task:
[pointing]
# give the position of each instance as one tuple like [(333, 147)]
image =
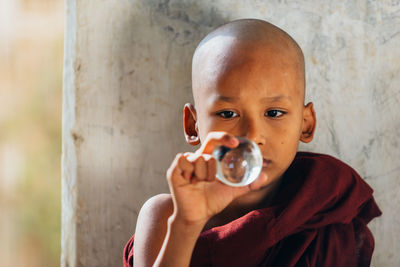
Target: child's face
[(252, 91)]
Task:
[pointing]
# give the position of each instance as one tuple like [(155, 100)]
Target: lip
[(266, 162)]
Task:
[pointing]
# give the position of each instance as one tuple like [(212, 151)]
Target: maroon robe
[(319, 218)]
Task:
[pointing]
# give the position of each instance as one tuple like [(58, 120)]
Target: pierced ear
[(190, 125), (309, 123)]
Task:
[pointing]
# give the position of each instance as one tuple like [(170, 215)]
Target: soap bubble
[(238, 166)]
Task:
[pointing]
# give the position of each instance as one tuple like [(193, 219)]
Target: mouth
[(266, 163)]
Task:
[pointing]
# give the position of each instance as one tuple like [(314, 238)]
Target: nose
[(253, 130)]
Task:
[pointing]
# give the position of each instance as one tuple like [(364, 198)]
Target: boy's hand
[(197, 194)]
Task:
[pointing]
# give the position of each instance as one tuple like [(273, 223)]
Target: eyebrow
[(264, 99), (227, 98), (276, 98)]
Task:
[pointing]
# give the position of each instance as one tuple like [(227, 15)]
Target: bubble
[(238, 166)]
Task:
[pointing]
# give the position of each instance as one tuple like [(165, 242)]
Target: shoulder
[(158, 206), (324, 164), (321, 159), (324, 171), (154, 214), (151, 227), (334, 187)]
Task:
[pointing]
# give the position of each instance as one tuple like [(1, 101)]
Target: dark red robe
[(319, 218)]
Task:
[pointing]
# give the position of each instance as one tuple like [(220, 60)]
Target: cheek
[(205, 125), (289, 137), (286, 148), (209, 124), (202, 132)]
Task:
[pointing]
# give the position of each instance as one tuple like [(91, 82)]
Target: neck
[(258, 199), (261, 198)]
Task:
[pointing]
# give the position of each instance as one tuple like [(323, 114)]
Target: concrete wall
[(127, 76)]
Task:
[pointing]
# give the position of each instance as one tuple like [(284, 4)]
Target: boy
[(304, 209)]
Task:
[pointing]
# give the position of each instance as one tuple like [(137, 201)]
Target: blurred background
[(31, 59)]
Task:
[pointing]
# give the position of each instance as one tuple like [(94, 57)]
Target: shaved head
[(248, 80), (243, 40)]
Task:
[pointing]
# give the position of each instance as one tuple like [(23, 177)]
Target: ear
[(190, 125), (309, 123)]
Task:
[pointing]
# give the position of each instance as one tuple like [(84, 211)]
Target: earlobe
[(309, 123), (190, 125)]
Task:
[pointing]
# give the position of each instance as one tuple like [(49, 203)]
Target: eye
[(274, 113), (227, 114)]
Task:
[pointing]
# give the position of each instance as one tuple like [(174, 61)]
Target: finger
[(186, 167), (200, 169), (176, 169), (211, 169), (215, 139), (261, 181)]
